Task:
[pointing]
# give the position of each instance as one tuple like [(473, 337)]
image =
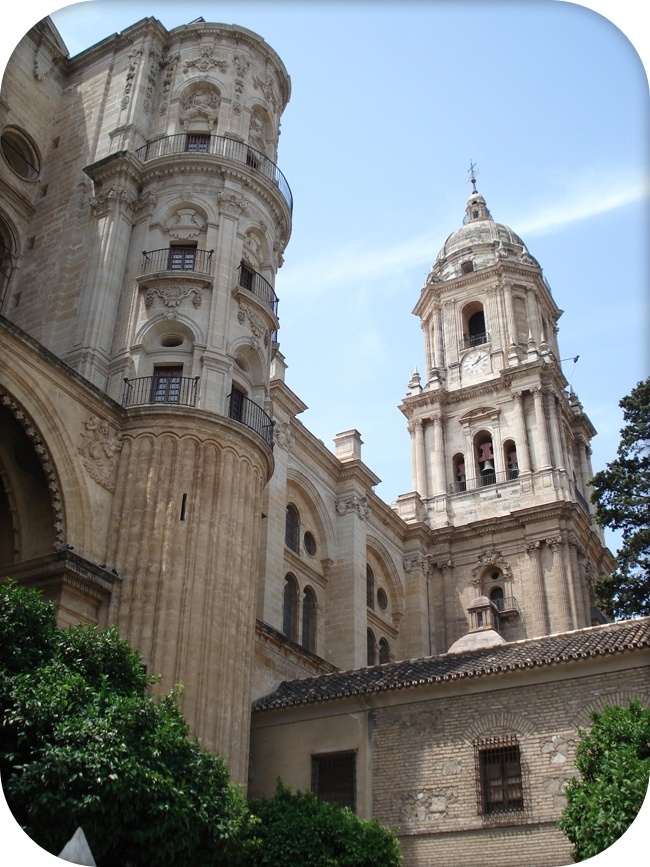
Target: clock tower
[(500, 448)]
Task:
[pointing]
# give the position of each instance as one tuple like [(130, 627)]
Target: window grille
[(334, 778), (498, 775)]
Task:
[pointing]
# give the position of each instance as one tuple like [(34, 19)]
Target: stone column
[(438, 345), (556, 434), (511, 336), (533, 549), (415, 638), (439, 474), (420, 465), (541, 443), (533, 315), (564, 620), (523, 452), (576, 554), (428, 356), (470, 462), (585, 470)]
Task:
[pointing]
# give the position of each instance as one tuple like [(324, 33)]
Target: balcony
[(471, 340), (246, 411), (255, 283), (507, 606), (219, 146), (483, 481), (177, 258), (161, 388)]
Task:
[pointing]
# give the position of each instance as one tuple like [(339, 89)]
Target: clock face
[(476, 363)]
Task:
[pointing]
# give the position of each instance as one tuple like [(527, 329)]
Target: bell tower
[(500, 448)]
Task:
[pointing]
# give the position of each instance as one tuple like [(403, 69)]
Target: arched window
[(292, 528), (510, 455), (372, 654), (309, 620), (384, 651), (485, 459), (370, 588), (7, 249), (474, 327), (460, 476), (290, 607)]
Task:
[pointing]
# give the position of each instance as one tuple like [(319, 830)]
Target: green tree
[(298, 828), (82, 743), (621, 493), (613, 760)]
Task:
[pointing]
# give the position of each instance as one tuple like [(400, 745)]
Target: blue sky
[(389, 103)]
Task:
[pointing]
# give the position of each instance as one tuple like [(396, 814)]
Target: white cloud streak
[(359, 264)]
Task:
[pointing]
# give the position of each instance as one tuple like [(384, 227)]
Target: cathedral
[(428, 661)]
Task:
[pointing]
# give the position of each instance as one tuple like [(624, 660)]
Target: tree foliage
[(82, 743), (298, 828), (621, 493), (613, 760)]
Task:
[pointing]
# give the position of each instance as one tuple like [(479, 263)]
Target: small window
[(370, 648), (20, 154), (309, 620), (310, 543), (500, 785), (384, 651), (197, 143), (181, 257), (333, 778), (382, 599), (467, 267), (370, 588), (166, 384), (246, 276), (292, 528), (290, 607)]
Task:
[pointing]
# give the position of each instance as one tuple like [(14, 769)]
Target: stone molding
[(53, 484)]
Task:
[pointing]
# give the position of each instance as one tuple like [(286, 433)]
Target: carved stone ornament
[(170, 69), (53, 485), (266, 86), (417, 563), (185, 224), (173, 296), (134, 59), (205, 61), (490, 557), (99, 451), (242, 64), (102, 203), (256, 323), (353, 503), (283, 437), (231, 204)]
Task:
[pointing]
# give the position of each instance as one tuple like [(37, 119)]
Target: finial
[(472, 174)]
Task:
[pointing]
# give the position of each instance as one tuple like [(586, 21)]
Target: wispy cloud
[(358, 264), (591, 198)]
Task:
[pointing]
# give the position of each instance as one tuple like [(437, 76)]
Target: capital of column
[(533, 549)]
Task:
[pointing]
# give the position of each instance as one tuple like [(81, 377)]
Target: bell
[(488, 467)]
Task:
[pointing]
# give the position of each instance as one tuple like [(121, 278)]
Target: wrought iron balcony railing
[(483, 481), (246, 411), (506, 605), (177, 258), (220, 146), (256, 284), (162, 388), (474, 340)]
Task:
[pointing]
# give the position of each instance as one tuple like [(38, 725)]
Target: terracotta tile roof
[(531, 653)]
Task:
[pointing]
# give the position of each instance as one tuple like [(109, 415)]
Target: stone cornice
[(116, 42), (266, 633), (286, 399), (358, 472)]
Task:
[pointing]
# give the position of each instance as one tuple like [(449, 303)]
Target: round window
[(20, 154), (310, 544), (171, 340), (382, 599)]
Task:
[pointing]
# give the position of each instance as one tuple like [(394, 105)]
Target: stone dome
[(479, 243)]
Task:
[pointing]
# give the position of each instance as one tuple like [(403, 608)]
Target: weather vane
[(472, 174)]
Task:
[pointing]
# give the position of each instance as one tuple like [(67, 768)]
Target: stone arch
[(498, 722), (474, 324), (620, 697), (198, 106), (308, 496), (28, 470), (261, 130), (384, 567)]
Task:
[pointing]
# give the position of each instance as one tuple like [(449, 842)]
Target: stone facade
[(156, 475)]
